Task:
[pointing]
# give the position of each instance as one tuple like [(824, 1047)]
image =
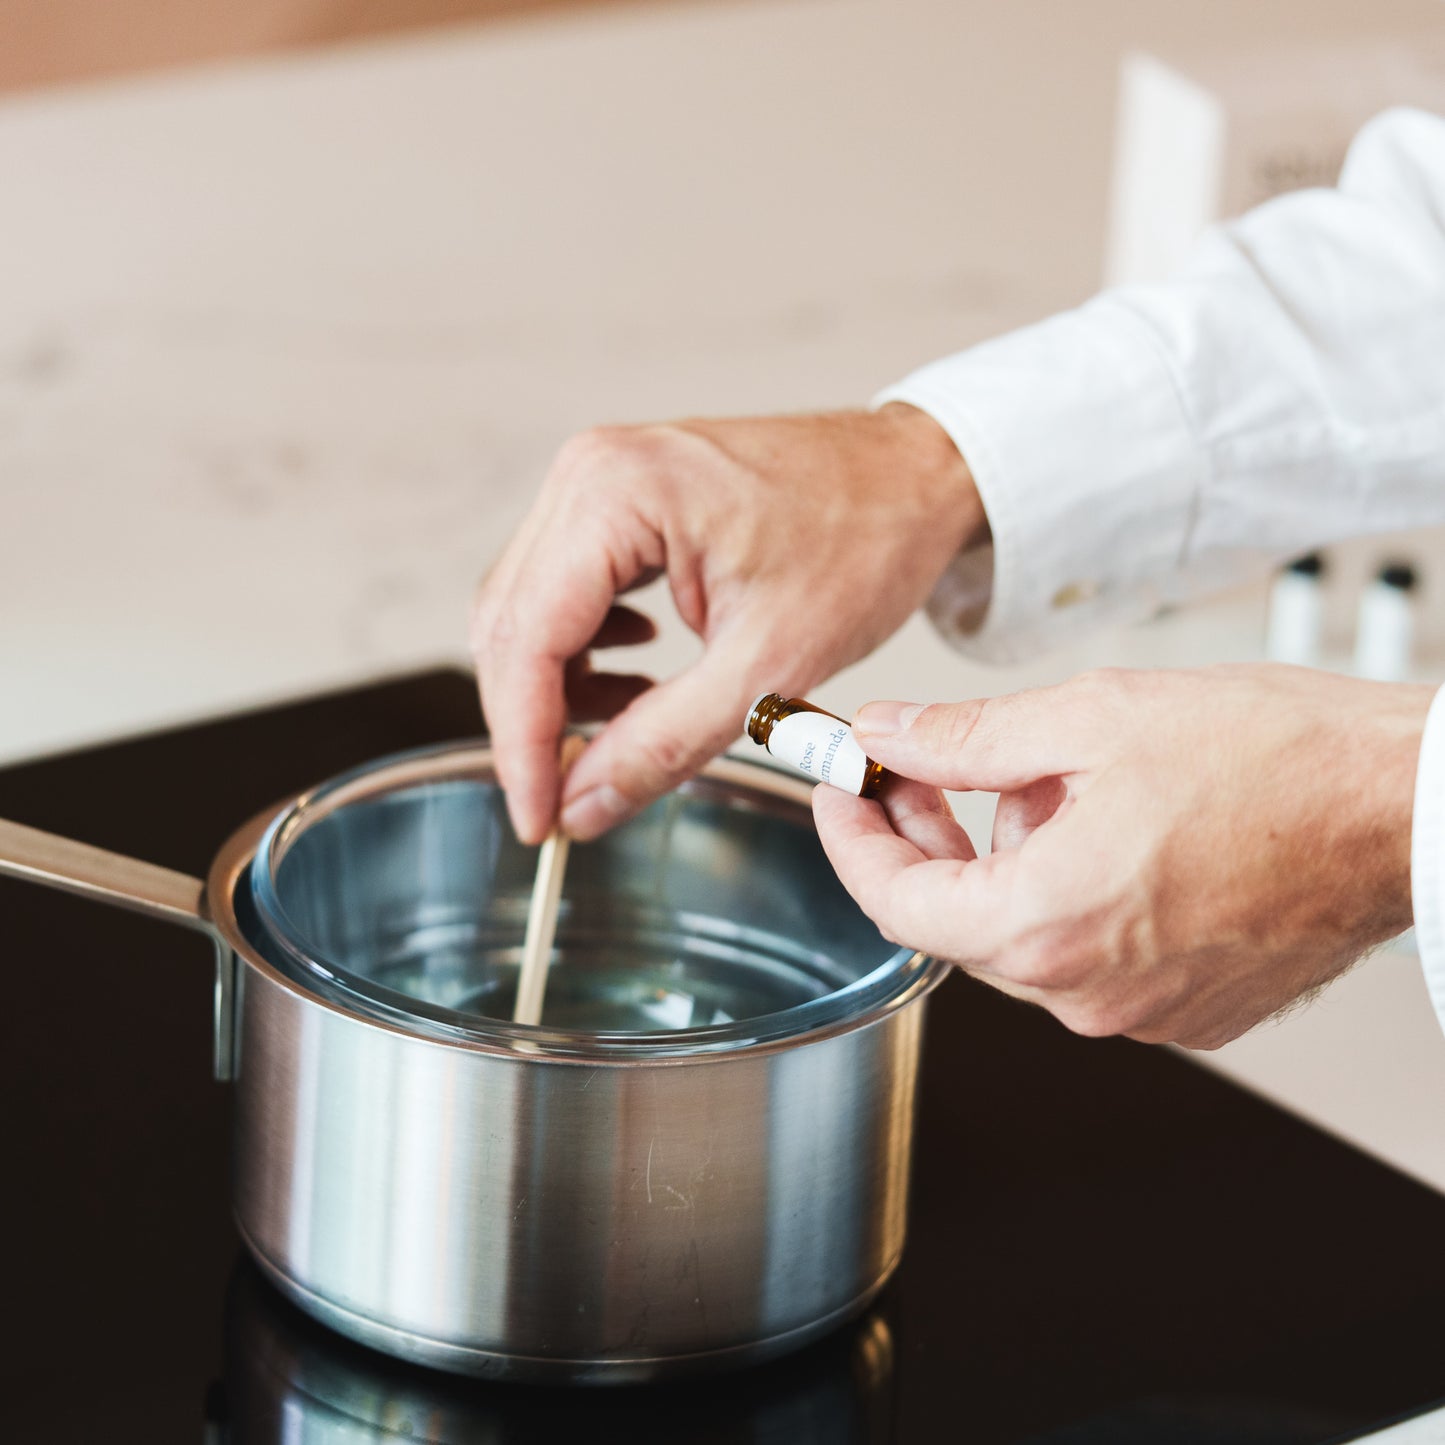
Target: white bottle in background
[(1385, 628), (1295, 628)]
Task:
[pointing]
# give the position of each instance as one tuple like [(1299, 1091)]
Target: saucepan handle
[(107, 877)]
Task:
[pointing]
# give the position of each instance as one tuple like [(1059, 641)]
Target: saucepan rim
[(249, 858)]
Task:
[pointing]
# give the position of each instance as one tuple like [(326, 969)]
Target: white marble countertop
[(285, 346)]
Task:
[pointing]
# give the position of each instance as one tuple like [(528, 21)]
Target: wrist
[(931, 457), (1388, 756)]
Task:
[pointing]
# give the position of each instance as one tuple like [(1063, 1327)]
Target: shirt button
[(1073, 593)]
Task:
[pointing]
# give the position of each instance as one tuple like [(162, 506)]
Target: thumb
[(993, 745), (660, 739)]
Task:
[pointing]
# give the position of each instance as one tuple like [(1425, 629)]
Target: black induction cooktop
[(1108, 1243)]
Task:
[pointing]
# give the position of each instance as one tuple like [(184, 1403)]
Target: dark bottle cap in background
[(1310, 565), (1399, 575)]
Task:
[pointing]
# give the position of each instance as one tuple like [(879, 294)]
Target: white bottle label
[(822, 747)]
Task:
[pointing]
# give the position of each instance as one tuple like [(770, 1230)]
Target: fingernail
[(529, 832), (529, 824), (592, 813), (882, 719)]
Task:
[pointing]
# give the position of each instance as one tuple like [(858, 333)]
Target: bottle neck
[(764, 713)]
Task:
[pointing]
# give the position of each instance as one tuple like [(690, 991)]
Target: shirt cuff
[(1427, 854), (1086, 463)]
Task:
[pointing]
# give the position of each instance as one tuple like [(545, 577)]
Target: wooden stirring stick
[(542, 915)]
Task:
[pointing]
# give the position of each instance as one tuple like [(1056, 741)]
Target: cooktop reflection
[(1107, 1242)]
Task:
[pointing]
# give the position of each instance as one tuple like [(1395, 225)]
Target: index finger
[(992, 744), (531, 619)]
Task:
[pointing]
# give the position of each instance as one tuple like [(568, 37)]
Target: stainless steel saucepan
[(700, 1156)]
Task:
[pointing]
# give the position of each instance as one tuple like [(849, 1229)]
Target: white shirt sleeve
[(1427, 854), (1285, 390)]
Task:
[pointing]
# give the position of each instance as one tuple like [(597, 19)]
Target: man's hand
[(793, 546), (1176, 855)]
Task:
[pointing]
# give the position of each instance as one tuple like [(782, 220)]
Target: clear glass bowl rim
[(740, 782)]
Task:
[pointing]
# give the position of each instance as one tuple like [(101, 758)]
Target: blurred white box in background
[(1202, 138)]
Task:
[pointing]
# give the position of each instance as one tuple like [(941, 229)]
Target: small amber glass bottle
[(815, 742)]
